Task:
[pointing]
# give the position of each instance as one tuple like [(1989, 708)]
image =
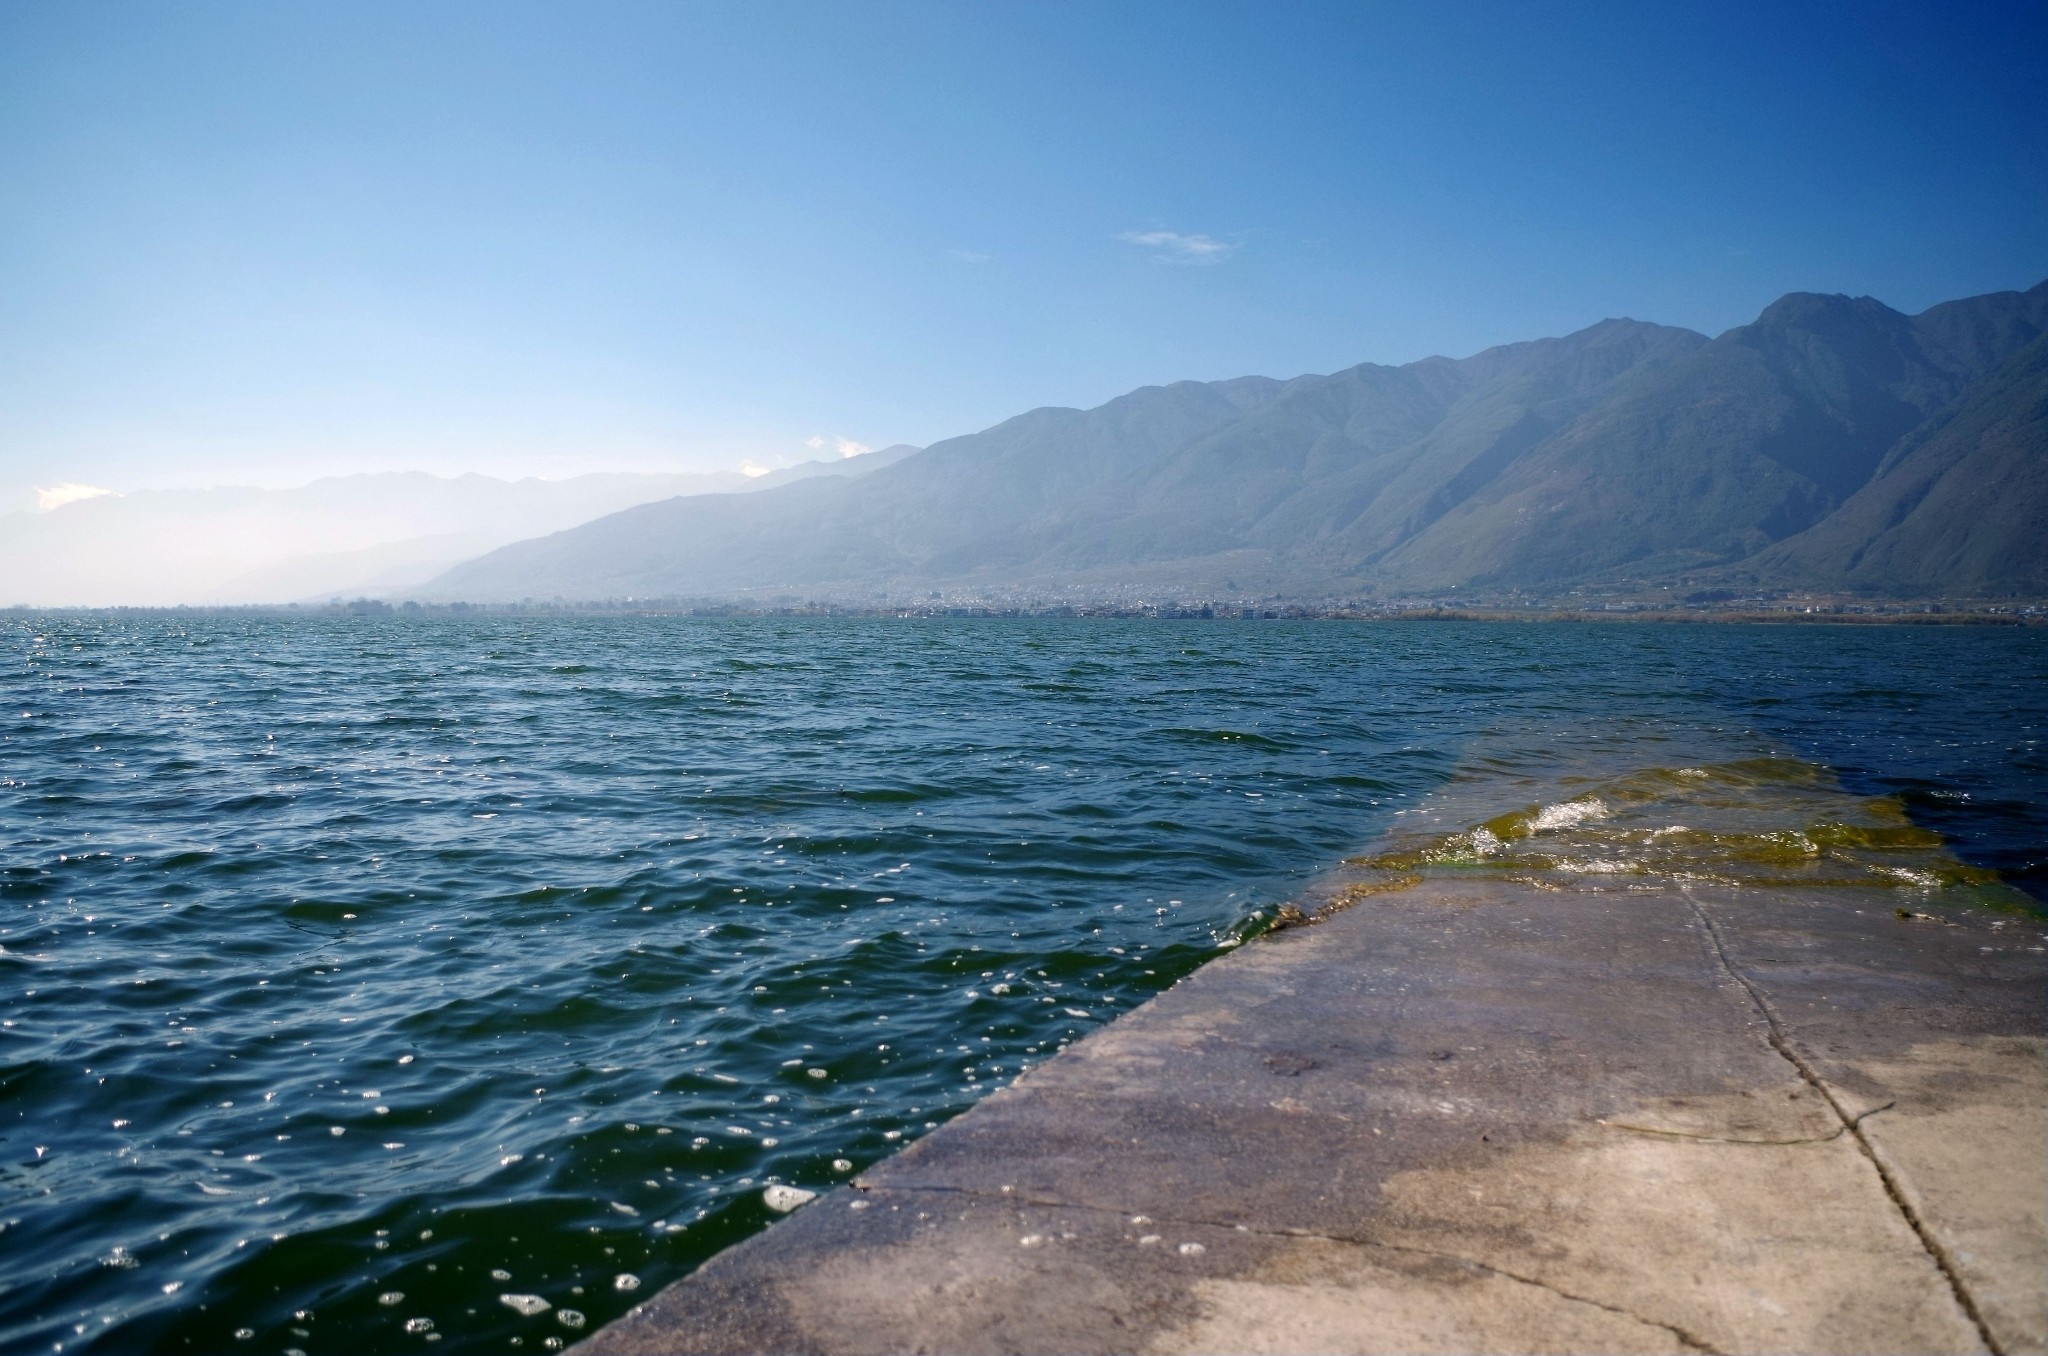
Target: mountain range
[(1832, 444)]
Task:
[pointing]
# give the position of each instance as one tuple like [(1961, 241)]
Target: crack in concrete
[(1781, 1042), (1686, 1339), (1656, 1133)]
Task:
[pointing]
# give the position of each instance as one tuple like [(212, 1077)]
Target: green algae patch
[(1760, 822)]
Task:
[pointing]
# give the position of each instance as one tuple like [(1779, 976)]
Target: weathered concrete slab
[(1473, 1116), (1938, 1021)]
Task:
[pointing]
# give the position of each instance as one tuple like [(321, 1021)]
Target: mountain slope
[(1756, 436), (1960, 506), (1173, 473)]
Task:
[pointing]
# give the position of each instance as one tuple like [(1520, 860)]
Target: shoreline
[(2018, 615), (1473, 1115)]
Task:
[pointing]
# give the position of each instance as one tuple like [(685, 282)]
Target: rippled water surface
[(371, 984)]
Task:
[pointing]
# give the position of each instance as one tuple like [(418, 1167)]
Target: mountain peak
[(1823, 311)]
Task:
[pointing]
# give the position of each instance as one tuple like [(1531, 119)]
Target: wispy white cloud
[(70, 492), (843, 445), (970, 256), (1172, 247), (751, 467)]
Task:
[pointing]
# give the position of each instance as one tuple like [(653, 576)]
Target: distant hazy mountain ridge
[(343, 535), (1833, 443)]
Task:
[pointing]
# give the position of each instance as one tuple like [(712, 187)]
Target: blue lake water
[(368, 983)]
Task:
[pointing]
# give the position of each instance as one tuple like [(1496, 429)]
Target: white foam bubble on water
[(1566, 814), (391, 1297), (525, 1305), (625, 1281), (570, 1318), (783, 1199)]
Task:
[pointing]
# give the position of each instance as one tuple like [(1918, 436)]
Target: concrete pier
[(1473, 1116)]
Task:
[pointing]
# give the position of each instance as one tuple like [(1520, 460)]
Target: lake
[(383, 984)]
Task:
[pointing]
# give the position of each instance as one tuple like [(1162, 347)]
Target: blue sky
[(256, 243)]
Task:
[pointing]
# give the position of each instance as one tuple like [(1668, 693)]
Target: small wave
[(1240, 738)]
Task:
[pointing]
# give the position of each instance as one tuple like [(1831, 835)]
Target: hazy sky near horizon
[(257, 243)]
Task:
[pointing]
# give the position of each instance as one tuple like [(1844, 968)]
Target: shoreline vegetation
[(1792, 610)]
